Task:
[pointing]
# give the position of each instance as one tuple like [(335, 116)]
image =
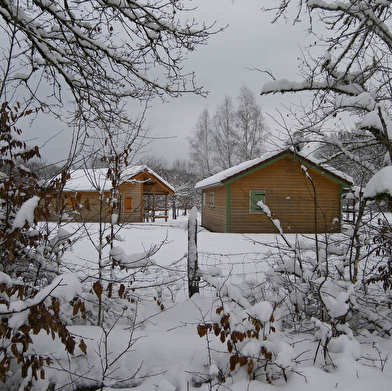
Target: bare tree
[(157, 163), (233, 135), (250, 126), (201, 145), (184, 177), (355, 152), (352, 73), (225, 140), (104, 52)]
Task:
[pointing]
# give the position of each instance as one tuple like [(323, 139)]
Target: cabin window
[(348, 208), (212, 199), (254, 197), (127, 204)]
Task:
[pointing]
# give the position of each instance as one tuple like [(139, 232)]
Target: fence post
[(193, 268)]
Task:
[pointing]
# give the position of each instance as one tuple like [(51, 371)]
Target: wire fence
[(172, 281), (232, 268)]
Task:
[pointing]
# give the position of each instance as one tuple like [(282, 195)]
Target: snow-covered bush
[(27, 312), (252, 337), (34, 298), (251, 345), (324, 291), (331, 289)]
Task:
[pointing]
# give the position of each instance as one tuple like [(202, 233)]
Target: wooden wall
[(92, 211), (214, 218), (85, 206), (290, 197), (288, 194), (134, 190)]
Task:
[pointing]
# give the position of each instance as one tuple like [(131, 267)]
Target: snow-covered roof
[(220, 177), (96, 179)]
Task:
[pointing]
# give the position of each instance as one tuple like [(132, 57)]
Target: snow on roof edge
[(160, 178), (217, 179), (94, 179), (220, 177)]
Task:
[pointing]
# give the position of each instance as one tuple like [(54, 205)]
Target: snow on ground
[(229, 254), (168, 355)]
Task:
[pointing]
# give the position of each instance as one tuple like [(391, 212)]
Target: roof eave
[(300, 158), (210, 185)]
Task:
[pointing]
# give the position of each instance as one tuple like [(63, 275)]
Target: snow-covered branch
[(284, 85), (105, 51)]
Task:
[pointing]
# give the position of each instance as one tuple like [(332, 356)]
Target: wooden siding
[(90, 208), (214, 218), (290, 197), (288, 194), (87, 206), (134, 190)]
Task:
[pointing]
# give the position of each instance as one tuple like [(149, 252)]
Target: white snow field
[(165, 353)]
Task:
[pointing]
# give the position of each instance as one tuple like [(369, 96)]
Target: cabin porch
[(155, 201)]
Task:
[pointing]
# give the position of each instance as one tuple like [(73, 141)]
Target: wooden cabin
[(142, 195), (303, 196)]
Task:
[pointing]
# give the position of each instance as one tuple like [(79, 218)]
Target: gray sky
[(222, 67)]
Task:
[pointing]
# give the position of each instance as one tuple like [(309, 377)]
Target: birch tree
[(232, 135), (202, 145), (225, 140), (250, 126)]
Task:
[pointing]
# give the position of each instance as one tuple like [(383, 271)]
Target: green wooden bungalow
[(302, 196)]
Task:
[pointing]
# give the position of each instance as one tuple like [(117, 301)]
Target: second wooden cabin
[(141, 195)]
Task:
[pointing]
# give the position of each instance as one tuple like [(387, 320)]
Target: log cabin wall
[(91, 210), (86, 206), (214, 216), (134, 214), (290, 196)]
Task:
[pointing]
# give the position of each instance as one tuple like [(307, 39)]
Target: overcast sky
[(222, 67)]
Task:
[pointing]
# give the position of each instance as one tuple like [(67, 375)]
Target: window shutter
[(127, 203), (254, 197), (212, 199)]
